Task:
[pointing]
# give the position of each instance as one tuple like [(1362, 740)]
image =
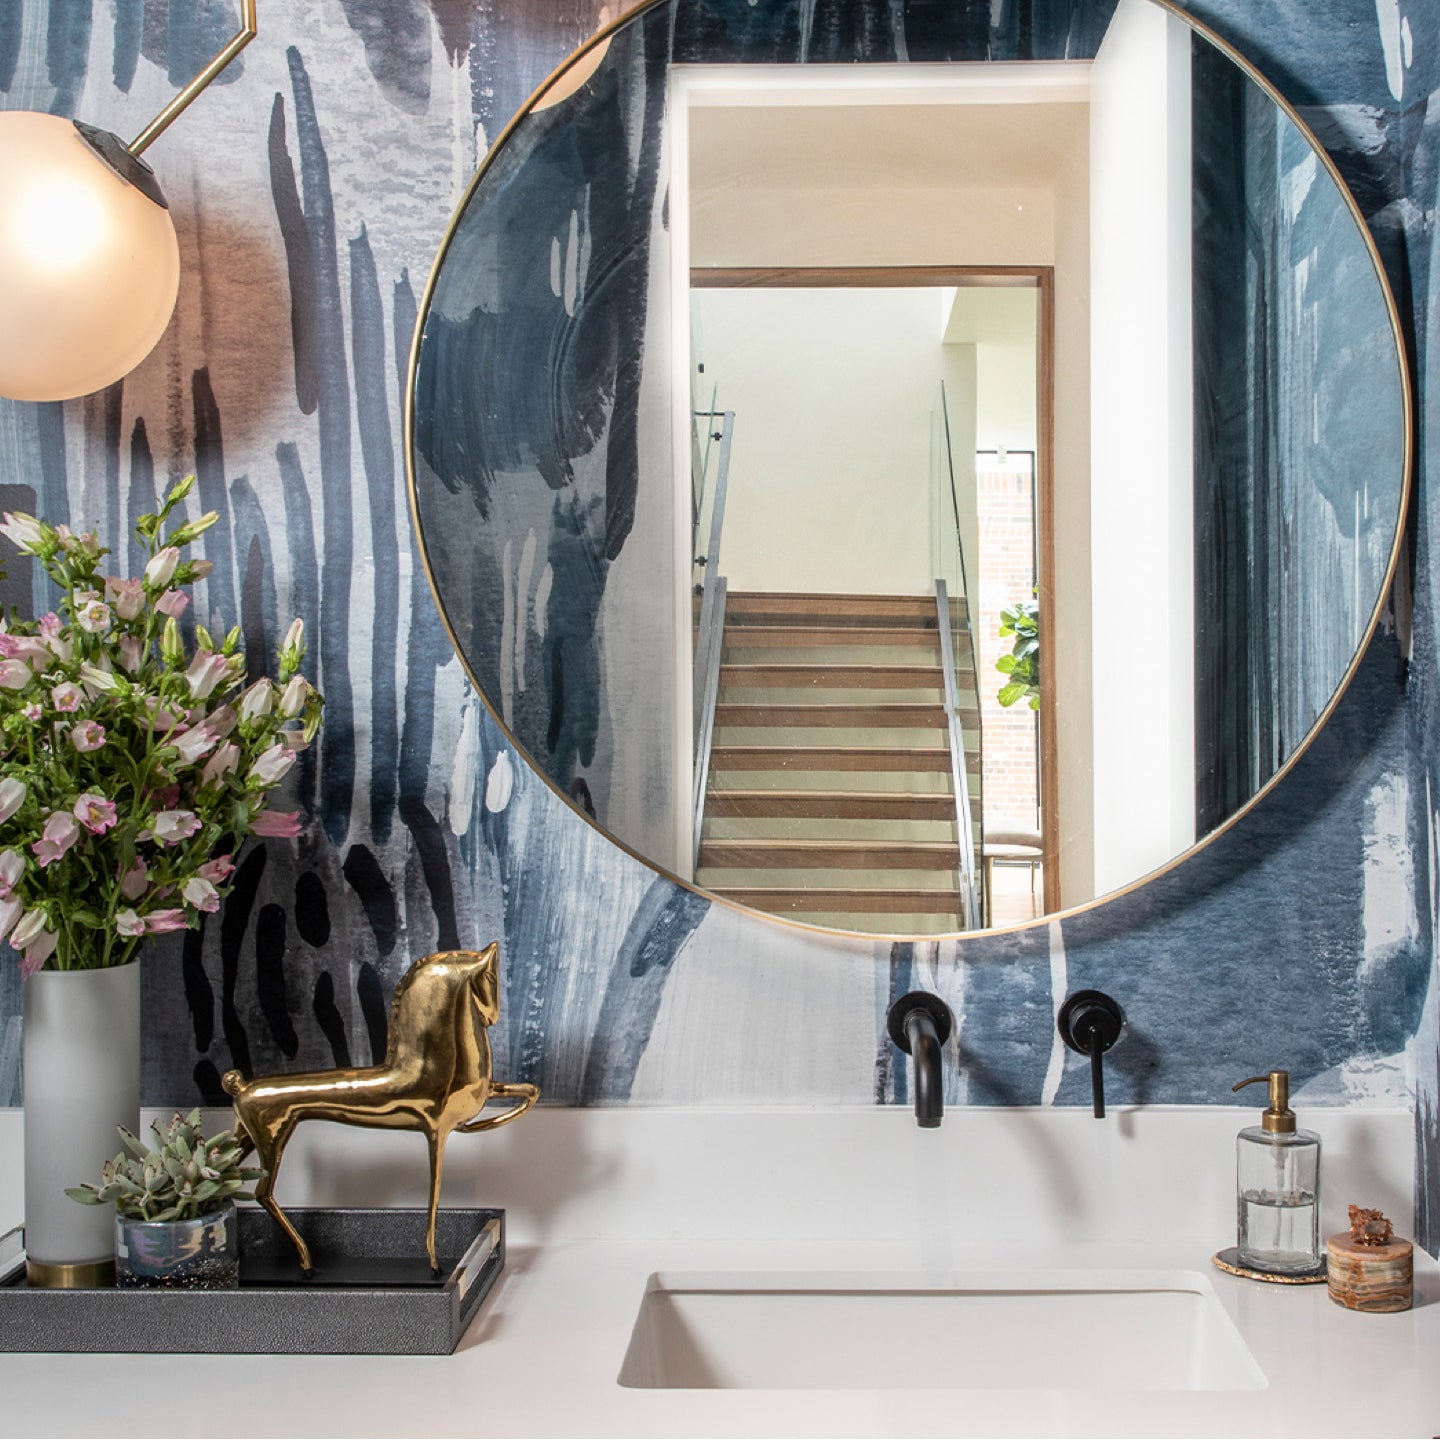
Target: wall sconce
[(89, 264)]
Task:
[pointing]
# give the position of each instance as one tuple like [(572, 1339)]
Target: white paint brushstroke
[(555, 265), (1387, 12), (499, 784), (1055, 1070), (522, 605), (572, 264), (507, 639), (542, 600), (1407, 43), (1389, 919), (462, 773)]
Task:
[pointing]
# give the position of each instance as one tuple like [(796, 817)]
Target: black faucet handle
[(906, 1005), (1091, 1023)]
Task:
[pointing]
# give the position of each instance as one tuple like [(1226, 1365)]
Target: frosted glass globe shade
[(89, 266)]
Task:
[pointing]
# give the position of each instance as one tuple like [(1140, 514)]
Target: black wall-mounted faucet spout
[(920, 1023), (1090, 1022)]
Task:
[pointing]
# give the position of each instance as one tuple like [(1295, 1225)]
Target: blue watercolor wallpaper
[(310, 191)]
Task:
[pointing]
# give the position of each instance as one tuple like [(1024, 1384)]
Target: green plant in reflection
[(1022, 623)]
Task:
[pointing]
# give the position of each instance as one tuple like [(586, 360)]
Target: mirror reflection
[(907, 497)]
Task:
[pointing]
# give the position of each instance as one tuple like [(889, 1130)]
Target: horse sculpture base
[(435, 1079)]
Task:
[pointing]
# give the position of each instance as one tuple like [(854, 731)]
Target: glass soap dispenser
[(1277, 1171)]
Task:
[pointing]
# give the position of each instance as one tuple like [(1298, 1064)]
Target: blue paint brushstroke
[(129, 30), (299, 261), (259, 613), (140, 498), (218, 593), (304, 582), (337, 772), (372, 391), (12, 22), (662, 925), (67, 51)]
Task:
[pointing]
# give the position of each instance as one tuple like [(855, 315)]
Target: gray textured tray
[(372, 1292)]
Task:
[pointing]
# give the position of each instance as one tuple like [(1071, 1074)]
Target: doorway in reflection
[(837, 692)]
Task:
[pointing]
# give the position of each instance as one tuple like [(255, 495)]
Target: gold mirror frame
[(564, 81)]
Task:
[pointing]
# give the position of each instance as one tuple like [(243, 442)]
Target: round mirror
[(916, 495)]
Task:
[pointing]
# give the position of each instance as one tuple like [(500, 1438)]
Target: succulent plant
[(187, 1176)]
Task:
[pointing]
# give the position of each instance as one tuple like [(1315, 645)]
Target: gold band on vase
[(70, 1275)]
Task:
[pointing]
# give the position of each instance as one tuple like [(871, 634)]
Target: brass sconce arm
[(181, 102)]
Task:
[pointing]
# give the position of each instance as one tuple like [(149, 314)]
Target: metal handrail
[(709, 692), (710, 642), (958, 777), (969, 607)]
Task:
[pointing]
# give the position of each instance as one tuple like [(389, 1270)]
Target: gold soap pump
[(1277, 1187)]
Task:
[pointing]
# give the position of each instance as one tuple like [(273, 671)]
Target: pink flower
[(134, 880), (173, 826), (200, 893), (161, 567), (15, 674), (60, 833), (276, 824), (292, 698), (127, 595), (67, 696), (94, 616), (129, 924), (161, 922), (161, 720), (38, 943), (11, 909), (272, 765), (12, 867), (173, 603), (218, 870), (37, 952), (94, 812), (255, 703), (131, 653), (24, 530), (32, 650), (51, 632), (33, 713), (220, 764), (193, 744), (87, 735), (223, 720), (99, 679), (27, 928), (206, 671), (12, 796)]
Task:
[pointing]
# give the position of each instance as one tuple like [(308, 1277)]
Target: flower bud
[(171, 646), (161, 569)]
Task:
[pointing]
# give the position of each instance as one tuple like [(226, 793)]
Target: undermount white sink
[(1046, 1330)]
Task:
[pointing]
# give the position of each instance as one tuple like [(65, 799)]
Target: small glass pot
[(198, 1254)]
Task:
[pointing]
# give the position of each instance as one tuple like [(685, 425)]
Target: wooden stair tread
[(746, 606), (760, 636), (933, 759), (824, 676), (830, 854), (830, 804), (898, 714), (850, 902)]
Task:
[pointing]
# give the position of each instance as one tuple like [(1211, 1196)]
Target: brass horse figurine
[(436, 1078)]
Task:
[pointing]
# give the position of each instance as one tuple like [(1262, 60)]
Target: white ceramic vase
[(82, 1079)]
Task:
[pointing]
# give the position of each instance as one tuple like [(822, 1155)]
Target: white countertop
[(796, 1193)]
